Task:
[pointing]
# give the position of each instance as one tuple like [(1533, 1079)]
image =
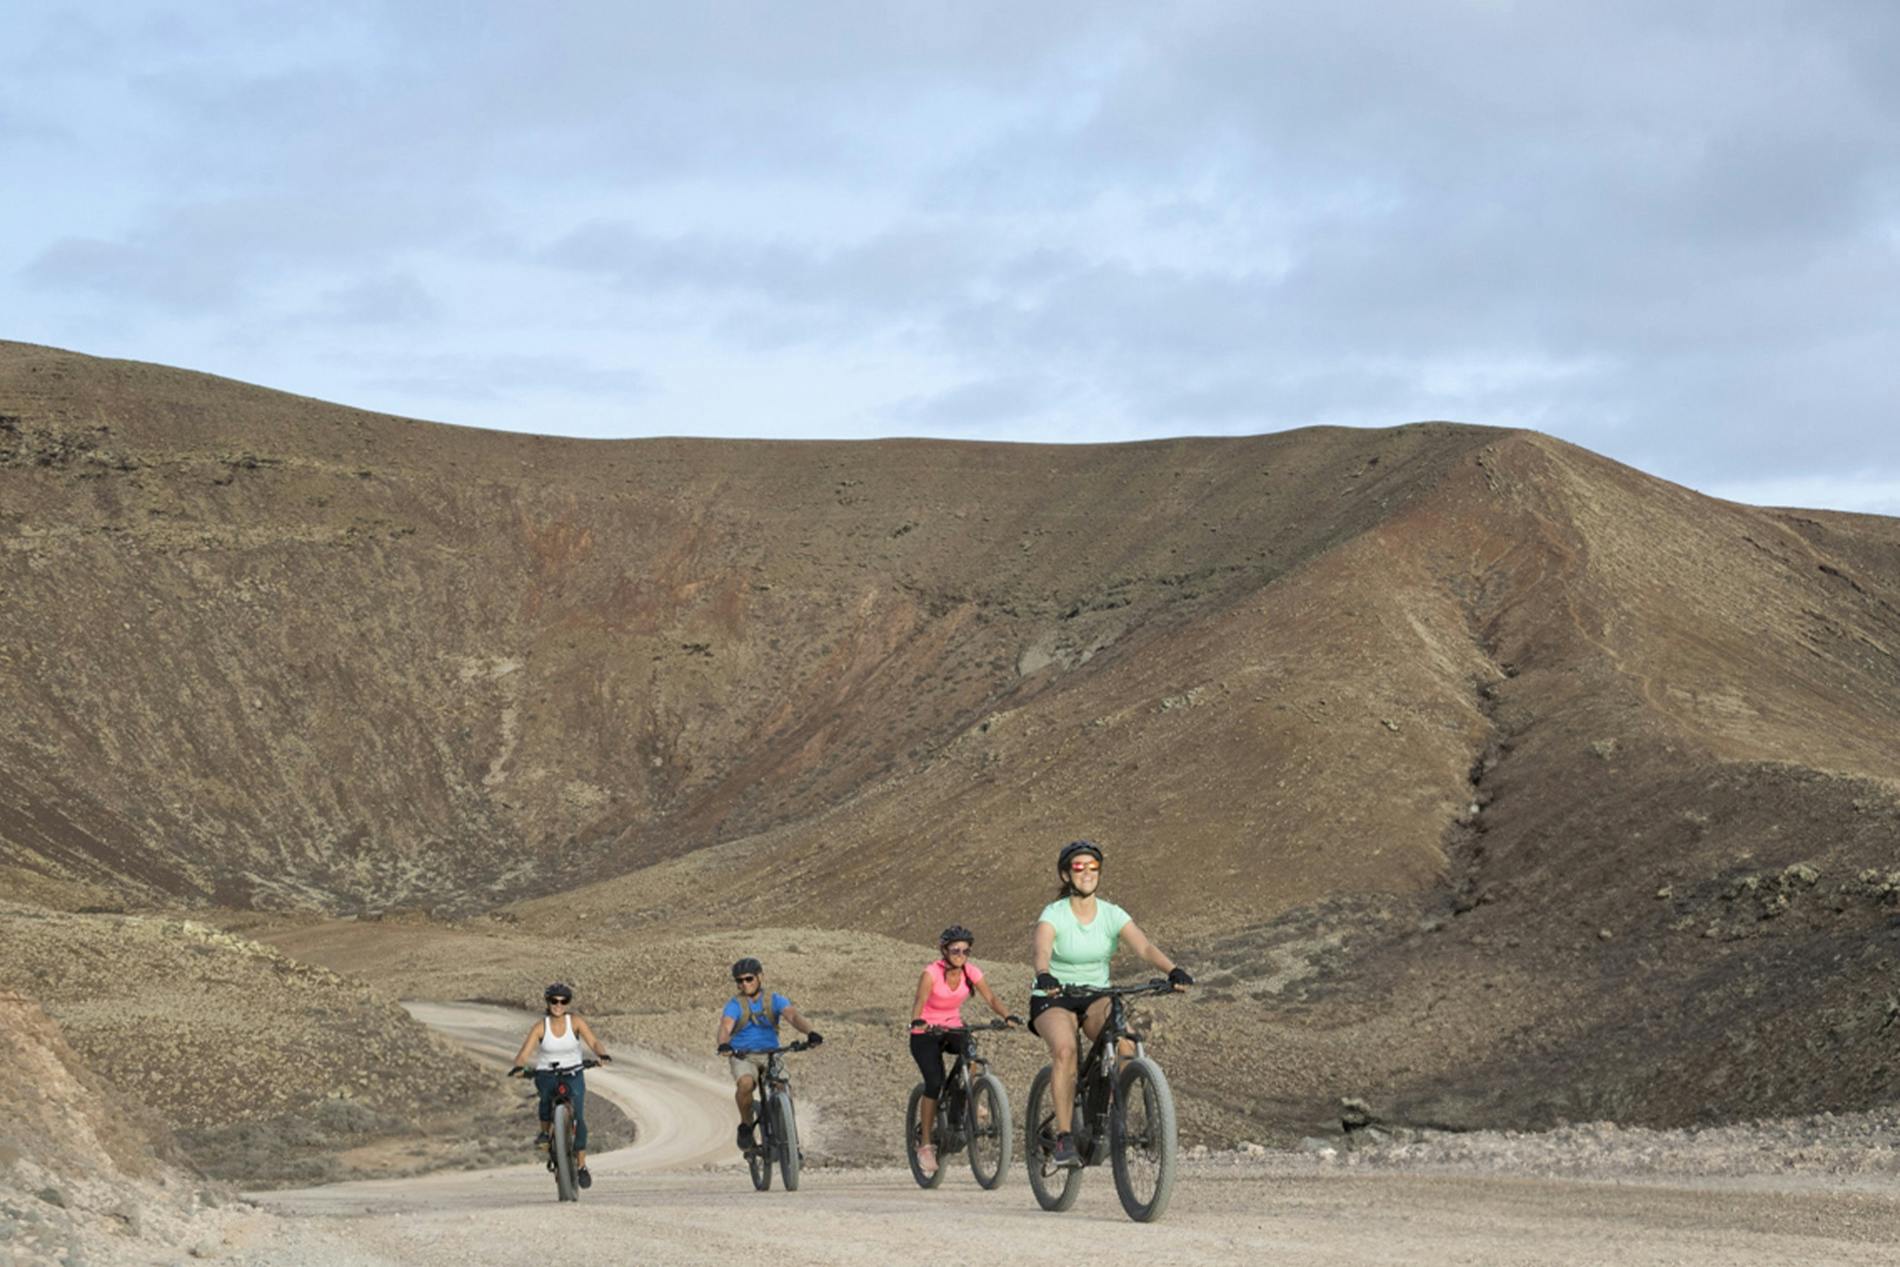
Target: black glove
[(1047, 983), (517, 1072), (605, 1059), (918, 1024), (1178, 975), (814, 1039), (1012, 1019), (724, 1049)]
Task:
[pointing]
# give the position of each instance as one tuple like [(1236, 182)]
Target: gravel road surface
[(678, 1196)]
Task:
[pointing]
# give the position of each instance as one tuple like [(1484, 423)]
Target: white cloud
[(1666, 232)]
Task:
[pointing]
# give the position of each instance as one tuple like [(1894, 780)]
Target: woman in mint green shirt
[(1076, 938)]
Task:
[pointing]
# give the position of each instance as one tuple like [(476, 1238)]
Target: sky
[(1666, 232)]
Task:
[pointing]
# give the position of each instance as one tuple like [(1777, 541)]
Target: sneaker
[(583, 1178), (541, 1140), (1065, 1155), (746, 1142), (927, 1160)]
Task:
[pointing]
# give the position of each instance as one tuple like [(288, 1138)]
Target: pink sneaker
[(927, 1160)]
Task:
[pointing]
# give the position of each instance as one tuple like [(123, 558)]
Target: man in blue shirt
[(748, 1032)]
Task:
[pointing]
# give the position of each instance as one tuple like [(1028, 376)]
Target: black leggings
[(928, 1051)]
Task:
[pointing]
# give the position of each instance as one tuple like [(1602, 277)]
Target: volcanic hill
[(1475, 774)]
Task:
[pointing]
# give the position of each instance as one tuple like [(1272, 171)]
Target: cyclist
[(1076, 937), (745, 1044), (559, 1034), (941, 992)]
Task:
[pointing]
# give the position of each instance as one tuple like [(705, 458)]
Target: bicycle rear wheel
[(758, 1158), (913, 1137), (561, 1148), (1142, 1139), (785, 1135), (990, 1131), (1056, 1187)]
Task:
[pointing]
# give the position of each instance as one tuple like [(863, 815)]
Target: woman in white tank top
[(559, 1036)]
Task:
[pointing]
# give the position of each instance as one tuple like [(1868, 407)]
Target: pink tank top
[(945, 1006)]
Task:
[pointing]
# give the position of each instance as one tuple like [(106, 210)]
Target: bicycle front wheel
[(1142, 1139), (1056, 1187), (561, 1146), (990, 1131), (785, 1136), (913, 1137)]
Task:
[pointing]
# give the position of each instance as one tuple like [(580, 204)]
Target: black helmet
[(956, 932), (1075, 847), (559, 992), (747, 967)]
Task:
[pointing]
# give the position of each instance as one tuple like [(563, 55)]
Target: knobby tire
[(1142, 1141), (1056, 1189), (990, 1131), (560, 1144), (913, 1116), (785, 1130)]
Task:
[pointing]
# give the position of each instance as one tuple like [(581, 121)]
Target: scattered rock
[(1355, 1115)]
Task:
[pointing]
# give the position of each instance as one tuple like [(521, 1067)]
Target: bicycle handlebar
[(1160, 985), (802, 1044), (522, 1071), (961, 1029)]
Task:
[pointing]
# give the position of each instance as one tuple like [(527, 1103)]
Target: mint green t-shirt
[(1082, 951)]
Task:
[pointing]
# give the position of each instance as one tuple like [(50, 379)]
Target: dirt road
[(677, 1196)]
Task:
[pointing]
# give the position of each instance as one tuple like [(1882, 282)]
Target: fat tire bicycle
[(972, 1113), (1124, 1114), (561, 1129), (776, 1121)]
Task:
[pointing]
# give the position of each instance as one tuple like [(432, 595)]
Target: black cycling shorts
[(1079, 1004)]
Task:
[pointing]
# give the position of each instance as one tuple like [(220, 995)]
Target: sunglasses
[(1085, 866), (746, 980), (958, 951), (559, 1002)]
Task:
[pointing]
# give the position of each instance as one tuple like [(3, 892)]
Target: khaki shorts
[(746, 1064)]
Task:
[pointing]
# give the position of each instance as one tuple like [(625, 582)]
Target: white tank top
[(559, 1051)]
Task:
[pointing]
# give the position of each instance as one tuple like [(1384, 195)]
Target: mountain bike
[(776, 1122), (561, 1129), (973, 1112), (1124, 1113)]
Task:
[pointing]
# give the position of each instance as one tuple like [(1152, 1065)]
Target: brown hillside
[(1476, 774), (268, 651)]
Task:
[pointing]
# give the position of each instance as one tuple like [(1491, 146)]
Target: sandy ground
[(678, 1196)]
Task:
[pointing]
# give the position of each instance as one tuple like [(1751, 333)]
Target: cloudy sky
[(1668, 232)]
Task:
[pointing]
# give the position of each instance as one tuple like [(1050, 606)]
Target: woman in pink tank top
[(941, 993)]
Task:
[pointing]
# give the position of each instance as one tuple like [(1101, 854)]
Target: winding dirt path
[(682, 1118), (678, 1197)]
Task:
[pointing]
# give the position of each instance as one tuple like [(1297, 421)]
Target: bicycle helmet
[(956, 932), (559, 992), (1074, 848), (747, 967)]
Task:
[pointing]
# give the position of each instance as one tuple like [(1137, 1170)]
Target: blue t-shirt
[(755, 1034)]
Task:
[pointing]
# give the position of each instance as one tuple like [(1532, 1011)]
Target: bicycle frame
[(1122, 1113), (561, 1152), (955, 1107), (770, 1083), (769, 1086), (1095, 1077)]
